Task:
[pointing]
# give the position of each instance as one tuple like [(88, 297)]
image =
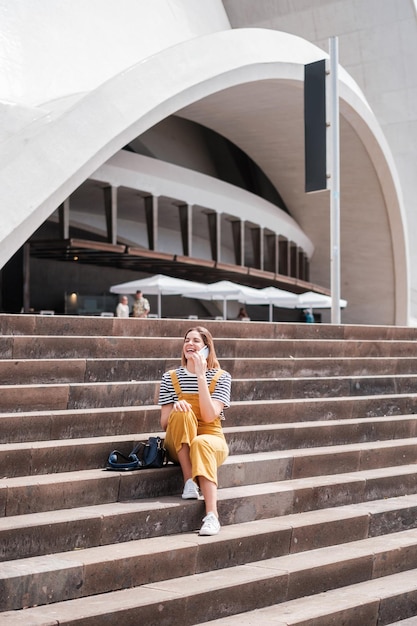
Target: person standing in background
[(122, 309), (308, 316), (141, 305), (242, 315)]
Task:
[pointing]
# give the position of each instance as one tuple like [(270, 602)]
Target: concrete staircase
[(318, 499)]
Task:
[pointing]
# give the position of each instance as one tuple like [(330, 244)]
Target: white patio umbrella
[(274, 297), (224, 290), (313, 300), (158, 285)]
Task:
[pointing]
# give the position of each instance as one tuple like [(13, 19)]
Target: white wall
[(52, 52), (378, 47), (52, 49)]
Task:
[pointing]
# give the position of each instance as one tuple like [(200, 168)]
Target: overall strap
[(214, 380), (175, 382), (177, 387)]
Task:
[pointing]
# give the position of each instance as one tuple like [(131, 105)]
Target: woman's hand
[(179, 405), (182, 405), (200, 364)]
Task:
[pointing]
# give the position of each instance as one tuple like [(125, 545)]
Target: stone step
[(53, 397), (72, 346), (126, 516), (309, 409), (323, 439), (379, 601), (89, 325), (44, 371), (250, 439), (79, 325), (189, 599), (80, 423), (68, 575), (317, 445)]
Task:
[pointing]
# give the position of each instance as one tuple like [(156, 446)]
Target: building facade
[(168, 137)]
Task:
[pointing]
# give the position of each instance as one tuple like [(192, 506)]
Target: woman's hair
[(212, 362)]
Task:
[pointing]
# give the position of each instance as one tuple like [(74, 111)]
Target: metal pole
[(335, 182)]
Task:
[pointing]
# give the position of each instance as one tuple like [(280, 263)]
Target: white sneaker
[(211, 525), (190, 490)]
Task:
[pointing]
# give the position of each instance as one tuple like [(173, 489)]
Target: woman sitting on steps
[(192, 400)]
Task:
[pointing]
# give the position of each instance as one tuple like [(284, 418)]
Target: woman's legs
[(181, 430), (209, 491), (211, 524), (207, 453), (185, 461), (198, 456)]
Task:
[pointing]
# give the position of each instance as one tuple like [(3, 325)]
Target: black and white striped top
[(188, 383)]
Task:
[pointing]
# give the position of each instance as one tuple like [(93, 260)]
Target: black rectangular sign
[(315, 126)]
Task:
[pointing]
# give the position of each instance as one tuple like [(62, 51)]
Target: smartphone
[(204, 351)]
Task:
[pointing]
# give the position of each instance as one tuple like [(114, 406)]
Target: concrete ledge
[(94, 346), (72, 574), (47, 371), (370, 602), (54, 397), (265, 457), (323, 449), (357, 413), (77, 325), (29, 507), (281, 579)]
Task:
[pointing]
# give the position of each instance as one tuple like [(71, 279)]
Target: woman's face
[(193, 342)]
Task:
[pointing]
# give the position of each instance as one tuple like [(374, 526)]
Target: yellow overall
[(208, 447)]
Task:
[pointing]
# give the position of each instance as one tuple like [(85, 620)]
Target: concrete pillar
[(110, 207), (238, 231), (293, 260), (284, 260), (271, 252), (186, 224), (63, 212), (214, 234), (258, 247), (26, 277), (151, 213)]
